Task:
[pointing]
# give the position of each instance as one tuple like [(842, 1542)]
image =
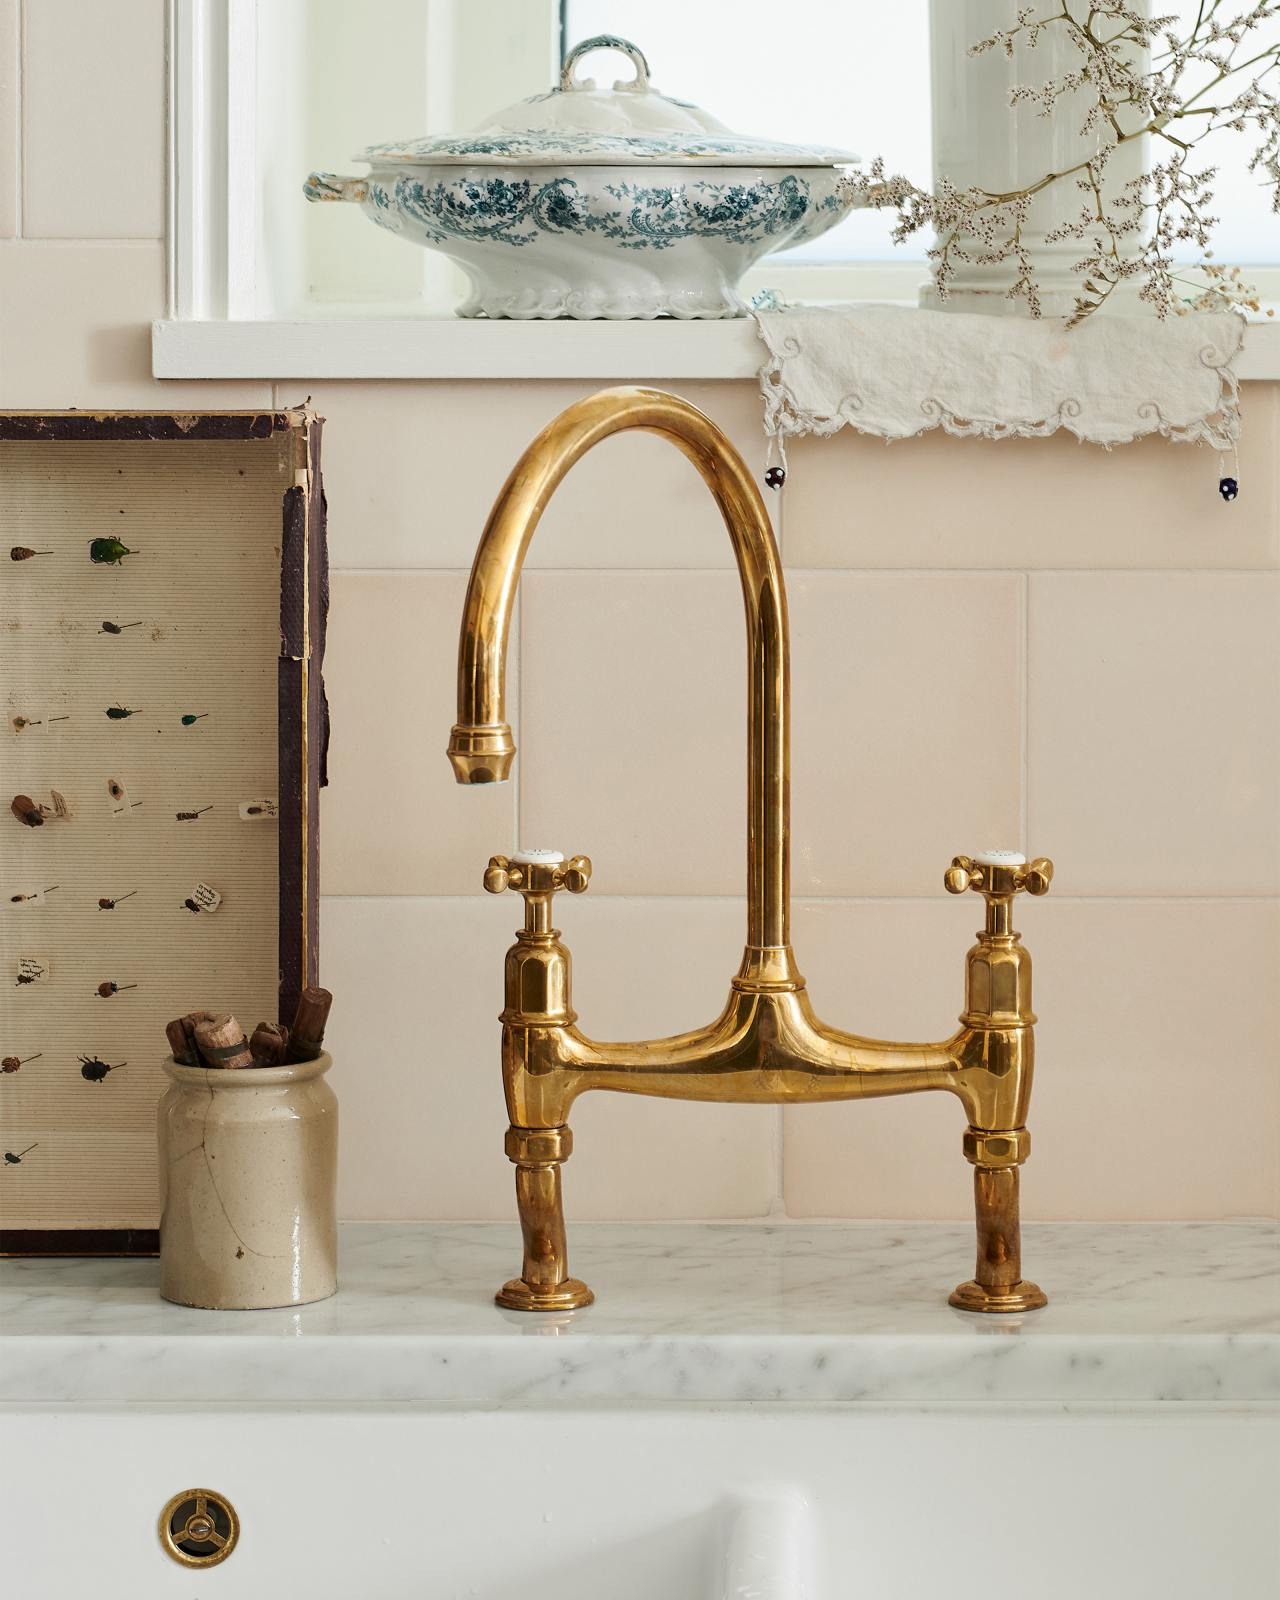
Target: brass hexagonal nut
[(997, 1149), (533, 1147)]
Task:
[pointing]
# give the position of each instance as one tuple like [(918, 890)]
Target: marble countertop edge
[(688, 1314)]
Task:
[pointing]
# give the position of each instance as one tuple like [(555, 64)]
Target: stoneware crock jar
[(248, 1171), (586, 202)]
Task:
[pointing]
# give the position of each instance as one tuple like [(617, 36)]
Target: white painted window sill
[(450, 348)]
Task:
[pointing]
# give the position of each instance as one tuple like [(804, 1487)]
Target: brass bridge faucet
[(766, 1047)]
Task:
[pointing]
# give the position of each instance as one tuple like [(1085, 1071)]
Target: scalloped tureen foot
[(586, 305), (585, 203)]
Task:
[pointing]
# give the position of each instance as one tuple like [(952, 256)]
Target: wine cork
[(307, 1034), (178, 1044), (189, 1024), (222, 1043), (267, 1044)]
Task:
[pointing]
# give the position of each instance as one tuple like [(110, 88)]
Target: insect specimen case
[(161, 641)]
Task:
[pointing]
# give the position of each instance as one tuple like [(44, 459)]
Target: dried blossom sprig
[(1137, 77)]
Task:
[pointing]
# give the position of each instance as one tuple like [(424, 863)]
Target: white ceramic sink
[(673, 1443), (753, 1504)]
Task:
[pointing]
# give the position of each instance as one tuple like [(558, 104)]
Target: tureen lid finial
[(606, 41)]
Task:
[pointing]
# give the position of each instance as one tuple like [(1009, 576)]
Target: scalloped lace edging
[(870, 369)]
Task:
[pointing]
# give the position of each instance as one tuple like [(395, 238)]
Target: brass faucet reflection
[(766, 1046)]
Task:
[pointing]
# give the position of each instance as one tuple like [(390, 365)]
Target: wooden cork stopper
[(179, 1047), (189, 1024), (222, 1043), (267, 1044), (307, 1034)]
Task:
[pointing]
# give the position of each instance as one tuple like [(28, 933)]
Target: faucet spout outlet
[(766, 1046)]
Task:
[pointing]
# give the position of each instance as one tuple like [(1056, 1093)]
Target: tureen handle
[(332, 186), (606, 41)]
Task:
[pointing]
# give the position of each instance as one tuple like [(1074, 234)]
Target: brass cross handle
[(998, 872), (537, 872)]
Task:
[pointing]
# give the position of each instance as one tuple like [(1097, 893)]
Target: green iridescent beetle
[(109, 552)]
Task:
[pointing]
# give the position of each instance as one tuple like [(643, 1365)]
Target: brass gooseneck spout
[(767, 1046), (481, 748)]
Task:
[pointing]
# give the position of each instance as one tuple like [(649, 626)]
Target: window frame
[(218, 325)]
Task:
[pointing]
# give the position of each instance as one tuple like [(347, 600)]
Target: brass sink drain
[(199, 1528)]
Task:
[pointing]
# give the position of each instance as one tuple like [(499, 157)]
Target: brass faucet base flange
[(517, 1295), (1023, 1296)]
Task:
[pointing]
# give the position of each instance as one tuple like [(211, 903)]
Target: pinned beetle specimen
[(12, 1063), (19, 552), (36, 895), (106, 904), (119, 627), (109, 552), (106, 989), (27, 811), (12, 1160), (190, 816), (118, 713), (94, 1071), (193, 717)]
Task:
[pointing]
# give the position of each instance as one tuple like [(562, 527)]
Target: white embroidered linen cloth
[(895, 371)]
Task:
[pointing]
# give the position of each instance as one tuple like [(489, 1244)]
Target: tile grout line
[(58, 241), (20, 165), (728, 571), (1263, 898)]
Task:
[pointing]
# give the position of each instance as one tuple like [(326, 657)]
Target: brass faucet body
[(766, 1046)]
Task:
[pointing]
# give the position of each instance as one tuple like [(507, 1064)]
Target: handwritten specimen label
[(32, 969), (121, 805), (258, 810), (206, 897)]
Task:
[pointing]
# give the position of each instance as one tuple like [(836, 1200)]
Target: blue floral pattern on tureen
[(602, 149), (513, 211)]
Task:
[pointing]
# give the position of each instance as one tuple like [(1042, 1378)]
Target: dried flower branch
[(1138, 78)]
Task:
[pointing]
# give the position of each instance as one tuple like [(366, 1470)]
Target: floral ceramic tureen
[(591, 203)]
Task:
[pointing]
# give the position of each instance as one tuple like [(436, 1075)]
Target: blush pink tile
[(1157, 1092), (1154, 704), (393, 820), (415, 1041), (633, 727), (908, 725), (94, 91), (936, 501), (632, 502)]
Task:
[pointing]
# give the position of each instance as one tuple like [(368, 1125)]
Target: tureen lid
[(579, 124)]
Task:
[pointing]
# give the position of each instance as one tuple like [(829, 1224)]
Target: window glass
[(851, 75), (856, 74)]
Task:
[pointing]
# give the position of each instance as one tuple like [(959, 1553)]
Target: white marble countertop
[(685, 1314)]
